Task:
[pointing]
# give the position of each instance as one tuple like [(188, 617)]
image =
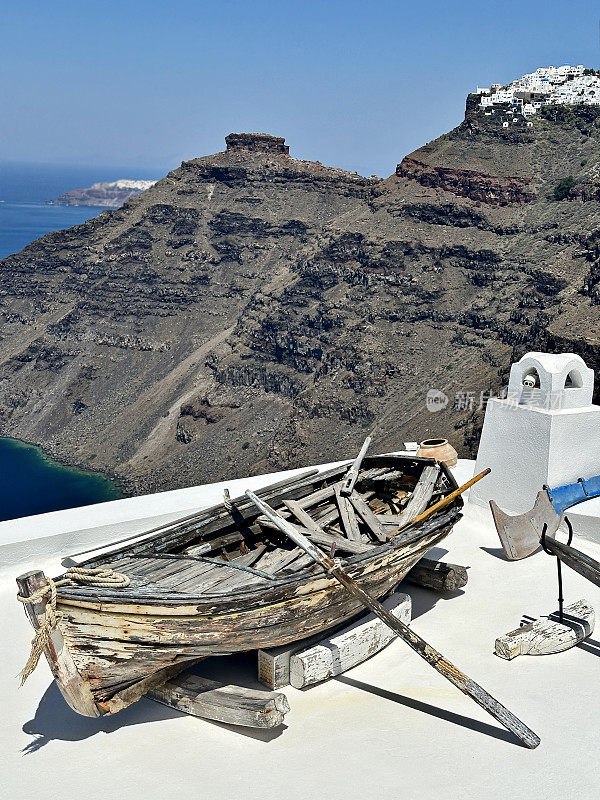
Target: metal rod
[(559, 567), (546, 548), (561, 599)]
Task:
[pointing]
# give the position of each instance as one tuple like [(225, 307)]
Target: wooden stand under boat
[(224, 581), (234, 705)]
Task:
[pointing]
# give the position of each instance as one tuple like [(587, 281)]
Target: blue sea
[(25, 188), (31, 482), (21, 223)]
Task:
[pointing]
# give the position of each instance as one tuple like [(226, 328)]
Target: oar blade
[(505, 717)]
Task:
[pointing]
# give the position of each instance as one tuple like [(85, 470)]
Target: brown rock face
[(257, 143), (477, 186), (200, 408), (252, 311)]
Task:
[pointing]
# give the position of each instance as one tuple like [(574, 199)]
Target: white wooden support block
[(274, 662), (545, 636), (348, 647)]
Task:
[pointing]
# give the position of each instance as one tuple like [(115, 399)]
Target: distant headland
[(105, 195)]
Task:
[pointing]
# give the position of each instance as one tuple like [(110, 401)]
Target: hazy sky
[(352, 84)]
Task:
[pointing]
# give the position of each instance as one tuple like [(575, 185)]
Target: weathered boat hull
[(118, 647), (114, 647)]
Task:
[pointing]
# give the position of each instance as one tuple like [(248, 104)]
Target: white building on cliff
[(564, 85)]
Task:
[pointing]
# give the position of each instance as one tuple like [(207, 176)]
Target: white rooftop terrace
[(391, 727)]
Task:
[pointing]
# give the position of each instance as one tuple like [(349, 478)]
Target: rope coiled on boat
[(74, 576)]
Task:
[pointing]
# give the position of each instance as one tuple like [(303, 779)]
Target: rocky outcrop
[(257, 143), (201, 408), (477, 186)]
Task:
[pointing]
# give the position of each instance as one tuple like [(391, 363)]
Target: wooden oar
[(585, 565), (445, 501), (419, 645)]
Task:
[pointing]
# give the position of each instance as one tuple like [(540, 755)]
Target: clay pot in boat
[(440, 449)]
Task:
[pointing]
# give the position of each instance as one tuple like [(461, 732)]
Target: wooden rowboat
[(224, 580)]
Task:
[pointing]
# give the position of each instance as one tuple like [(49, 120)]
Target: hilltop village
[(523, 97)]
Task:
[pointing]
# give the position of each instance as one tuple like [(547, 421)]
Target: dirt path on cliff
[(162, 430)]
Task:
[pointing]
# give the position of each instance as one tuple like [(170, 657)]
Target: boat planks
[(179, 608)]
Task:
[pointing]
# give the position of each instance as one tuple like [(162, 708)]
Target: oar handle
[(419, 645), (445, 501), (585, 565)]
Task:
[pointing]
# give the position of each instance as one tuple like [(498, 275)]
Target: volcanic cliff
[(252, 311)]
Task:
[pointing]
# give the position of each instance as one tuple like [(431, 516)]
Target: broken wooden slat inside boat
[(422, 494), (368, 517), (348, 517), (223, 581)]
